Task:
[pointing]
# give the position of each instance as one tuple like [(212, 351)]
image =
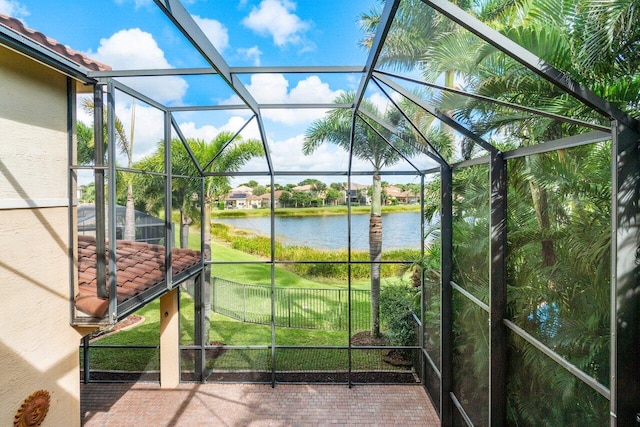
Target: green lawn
[(236, 333), (233, 333)]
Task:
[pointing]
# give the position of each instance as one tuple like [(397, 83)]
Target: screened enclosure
[(518, 287)]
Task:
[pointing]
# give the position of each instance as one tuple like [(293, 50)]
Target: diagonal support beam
[(181, 18), (433, 155), (483, 98), (185, 144), (183, 21), (386, 19), (233, 137), (388, 142), (435, 113), (531, 61)]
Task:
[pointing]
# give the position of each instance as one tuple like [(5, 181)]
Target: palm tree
[(335, 128), (559, 233), (85, 135), (229, 159), (86, 156), (559, 239)]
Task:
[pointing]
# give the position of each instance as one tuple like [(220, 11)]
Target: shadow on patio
[(144, 404)]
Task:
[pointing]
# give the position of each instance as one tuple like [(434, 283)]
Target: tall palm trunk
[(130, 216), (375, 252), (206, 294), (129, 213), (185, 222)]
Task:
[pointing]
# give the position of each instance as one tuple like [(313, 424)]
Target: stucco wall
[(38, 347)]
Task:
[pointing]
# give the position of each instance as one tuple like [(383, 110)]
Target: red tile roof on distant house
[(79, 58), (140, 266), (267, 196)]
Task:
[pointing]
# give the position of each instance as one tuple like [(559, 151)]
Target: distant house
[(399, 196), (265, 199), (243, 189), (242, 198), (357, 193), (304, 188), (309, 188)]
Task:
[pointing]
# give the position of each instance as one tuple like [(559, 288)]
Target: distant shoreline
[(320, 211)]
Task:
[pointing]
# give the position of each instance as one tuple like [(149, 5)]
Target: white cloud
[(275, 18), (287, 155), (234, 124), (215, 31), (133, 49), (148, 129), (381, 101), (136, 49), (208, 132), (252, 54), (274, 89), (13, 8)]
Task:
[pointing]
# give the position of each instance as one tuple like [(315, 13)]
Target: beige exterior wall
[(38, 347)]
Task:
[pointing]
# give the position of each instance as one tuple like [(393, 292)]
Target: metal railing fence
[(309, 308)]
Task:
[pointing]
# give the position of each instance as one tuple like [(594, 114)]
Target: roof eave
[(30, 48)]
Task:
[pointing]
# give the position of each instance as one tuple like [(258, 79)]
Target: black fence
[(325, 309)]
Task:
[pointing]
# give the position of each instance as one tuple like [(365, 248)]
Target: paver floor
[(145, 404)]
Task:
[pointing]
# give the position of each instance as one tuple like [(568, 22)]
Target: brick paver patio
[(145, 404)]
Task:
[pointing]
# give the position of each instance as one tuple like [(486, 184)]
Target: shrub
[(336, 269), (396, 313)]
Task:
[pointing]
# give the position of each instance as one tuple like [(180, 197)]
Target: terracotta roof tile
[(79, 58), (140, 266)]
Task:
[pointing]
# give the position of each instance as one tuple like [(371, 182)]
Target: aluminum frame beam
[(498, 361), (386, 19), (226, 144), (181, 18), (543, 147), (447, 398), (111, 201), (99, 173), (232, 70), (168, 202), (496, 101), (435, 156), (625, 273), (175, 11), (137, 95), (328, 106), (531, 61), (183, 140), (377, 132), (408, 119)]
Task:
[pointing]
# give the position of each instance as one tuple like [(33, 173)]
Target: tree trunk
[(130, 216), (375, 253), (184, 229), (541, 206), (206, 294)]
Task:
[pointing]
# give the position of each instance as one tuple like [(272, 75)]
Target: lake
[(399, 230)]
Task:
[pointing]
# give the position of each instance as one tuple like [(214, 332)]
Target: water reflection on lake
[(399, 230)]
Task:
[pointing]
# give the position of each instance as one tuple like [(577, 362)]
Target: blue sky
[(133, 34)]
